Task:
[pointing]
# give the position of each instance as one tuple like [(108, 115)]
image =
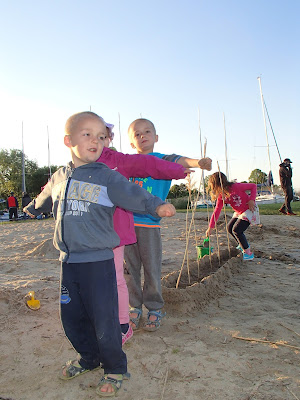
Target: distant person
[(242, 203), (12, 205), (83, 196), (26, 199), (285, 174)]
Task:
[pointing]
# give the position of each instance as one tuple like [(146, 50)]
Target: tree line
[(36, 177)]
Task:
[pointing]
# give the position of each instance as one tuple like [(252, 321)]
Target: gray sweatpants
[(147, 252)]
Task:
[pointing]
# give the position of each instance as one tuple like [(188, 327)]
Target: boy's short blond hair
[(75, 118), (140, 120)]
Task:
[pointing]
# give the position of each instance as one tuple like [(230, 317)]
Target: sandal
[(116, 383), (157, 322), (72, 369), (135, 321)]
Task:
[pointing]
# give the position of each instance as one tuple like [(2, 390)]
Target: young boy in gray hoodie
[(83, 196)]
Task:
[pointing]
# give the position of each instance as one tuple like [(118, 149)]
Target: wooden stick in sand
[(187, 243), (286, 327), (289, 390), (186, 225), (217, 236), (224, 208), (189, 230), (165, 382), (266, 341)]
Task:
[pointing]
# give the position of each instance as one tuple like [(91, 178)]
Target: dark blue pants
[(236, 227), (13, 212), (89, 314)]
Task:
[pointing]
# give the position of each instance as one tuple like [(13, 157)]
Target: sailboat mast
[(201, 154), (226, 158), (49, 165), (264, 115), (120, 132), (23, 164)]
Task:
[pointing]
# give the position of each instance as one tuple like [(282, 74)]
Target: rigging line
[(272, 131), (272, 145), (265, 124)]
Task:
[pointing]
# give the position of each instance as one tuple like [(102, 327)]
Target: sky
[(188, 66)]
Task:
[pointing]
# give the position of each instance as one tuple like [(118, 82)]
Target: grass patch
[(264, 209)]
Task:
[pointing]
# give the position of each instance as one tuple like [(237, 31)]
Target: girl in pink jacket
[(242, 203), (140, 166)]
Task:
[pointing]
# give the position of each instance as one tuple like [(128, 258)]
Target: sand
[(203, 348)]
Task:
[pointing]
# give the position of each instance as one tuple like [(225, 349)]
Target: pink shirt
[(140, 166), (238, 200)]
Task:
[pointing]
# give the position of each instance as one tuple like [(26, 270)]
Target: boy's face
[(142, 137), (86, 140)]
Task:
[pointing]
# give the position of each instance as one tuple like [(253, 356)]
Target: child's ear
[(132, 145), (67, 140), (156, 138)]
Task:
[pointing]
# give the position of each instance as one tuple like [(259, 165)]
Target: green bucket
[(203, 251)]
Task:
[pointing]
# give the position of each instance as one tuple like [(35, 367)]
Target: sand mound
[(204, 282), (45, 250)]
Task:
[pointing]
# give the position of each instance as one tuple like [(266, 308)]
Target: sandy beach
[(232, 330)]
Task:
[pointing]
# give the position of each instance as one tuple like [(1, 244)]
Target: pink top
[(238, 200), (139, 166)]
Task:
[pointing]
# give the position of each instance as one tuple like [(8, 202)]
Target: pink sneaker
[(126, 336)]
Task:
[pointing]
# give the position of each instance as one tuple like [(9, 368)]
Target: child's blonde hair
[(216, 185), (140, 120), (75, 118)]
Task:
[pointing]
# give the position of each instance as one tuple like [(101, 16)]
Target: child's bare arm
[(251, 205), (166, 210), (203, 163), (28, 213)]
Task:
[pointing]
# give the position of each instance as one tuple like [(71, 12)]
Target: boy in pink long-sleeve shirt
[(242, 203)]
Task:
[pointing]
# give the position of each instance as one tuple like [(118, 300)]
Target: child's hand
[(205, 163), (166, 210), (188, 170), (208, 232), (251, 204), (28, 213)]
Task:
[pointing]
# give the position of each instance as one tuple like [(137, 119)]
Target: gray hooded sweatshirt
[(83, 201)]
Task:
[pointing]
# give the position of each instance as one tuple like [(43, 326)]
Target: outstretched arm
[(133, 198), (142, 165), (43, 202), (203, 163), (215, 215)]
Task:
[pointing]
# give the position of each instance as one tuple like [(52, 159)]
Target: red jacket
[(12, 202)]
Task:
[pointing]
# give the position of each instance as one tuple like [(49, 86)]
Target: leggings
[(122, 286), (236, 227)]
